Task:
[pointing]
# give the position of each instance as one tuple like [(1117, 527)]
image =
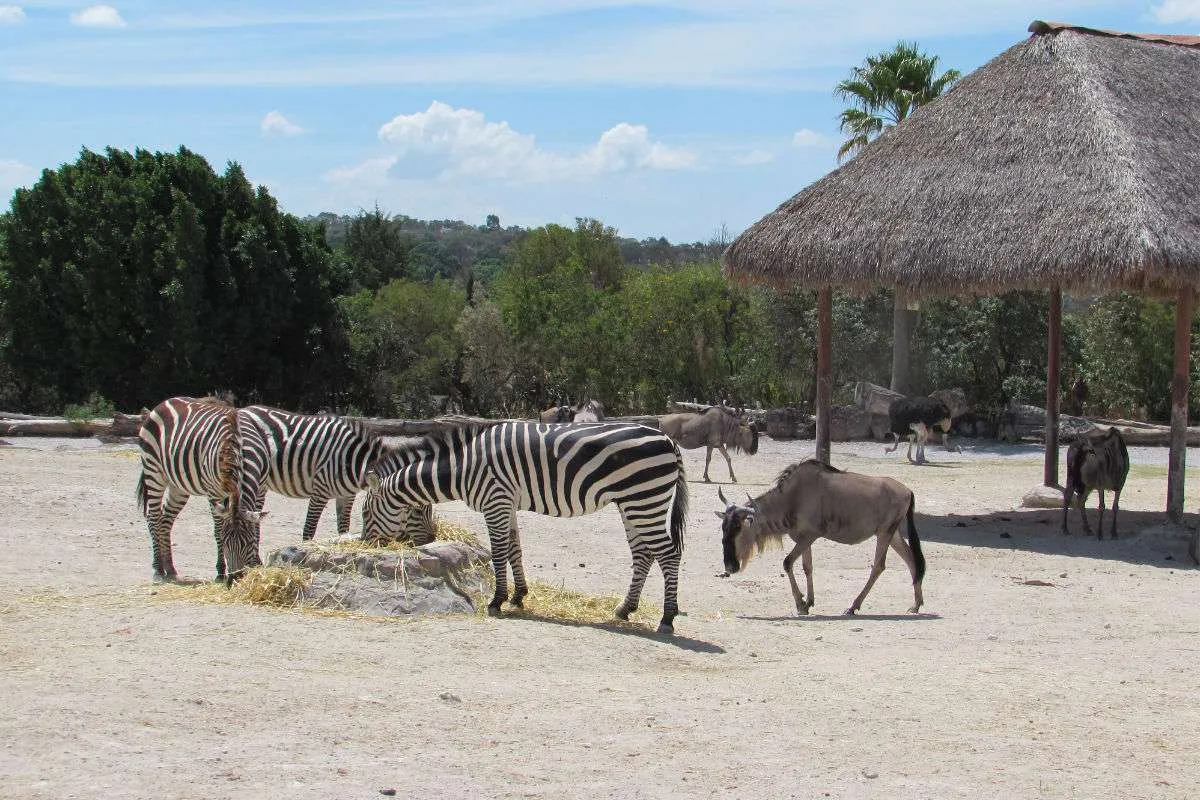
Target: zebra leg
[(343, 506), (520, 589), (642, 559), (220, 540), (498, 520), (669, 564), (172, 503), (315, 506)]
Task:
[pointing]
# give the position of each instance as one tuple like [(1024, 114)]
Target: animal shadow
[(919, 617), (623, 629)]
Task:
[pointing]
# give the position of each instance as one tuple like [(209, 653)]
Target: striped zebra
[(500, 468), (321, 457), (196, 447)]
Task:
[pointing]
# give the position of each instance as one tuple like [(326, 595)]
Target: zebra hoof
[(493, 609), (517, 602), (665, 630), (622, 613)]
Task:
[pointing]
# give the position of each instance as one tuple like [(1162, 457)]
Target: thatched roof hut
[(1071, 159)]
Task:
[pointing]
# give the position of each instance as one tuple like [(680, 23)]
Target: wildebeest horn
[(721, 496)]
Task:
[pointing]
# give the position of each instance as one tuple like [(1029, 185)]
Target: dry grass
[(558, 603), (281, 587)]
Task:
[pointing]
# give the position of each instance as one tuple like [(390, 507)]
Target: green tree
[(377, 249), (883, 92), (140, 275)]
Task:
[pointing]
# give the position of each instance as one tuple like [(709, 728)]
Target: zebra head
[(387, 517), (240, 533)]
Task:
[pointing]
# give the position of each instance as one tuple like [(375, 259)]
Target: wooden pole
[(1053, 379), (1177, 461), (824, 378)]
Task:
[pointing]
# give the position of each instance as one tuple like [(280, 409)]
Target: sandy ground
[(1082, 688)]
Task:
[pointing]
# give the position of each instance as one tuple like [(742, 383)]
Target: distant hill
[(446, 247)]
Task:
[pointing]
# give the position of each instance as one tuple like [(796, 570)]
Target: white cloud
[(372, 172), (808, 138), (469, 145), (754, 158), (276, 124), (11, 15), (14, 174), (98, 17), (1174, 11)]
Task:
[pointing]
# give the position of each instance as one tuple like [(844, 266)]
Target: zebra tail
[(679, 508), (140, 493), (914, 541)]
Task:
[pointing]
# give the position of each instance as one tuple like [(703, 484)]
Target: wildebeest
[(1096, 462), (812, 500), (916, 418), (585, 411), (714, 428)]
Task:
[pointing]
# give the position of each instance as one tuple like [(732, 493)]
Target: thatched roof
[(1072, 158)]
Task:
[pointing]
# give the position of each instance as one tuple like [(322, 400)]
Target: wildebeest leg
[(1116, 502), (343, 506), (514, 560), (806, 563), (1082, 494), (497, 519), (1100, 529), (707, 459), (882, 540), (788, 562), (905, 552), (315, 506), (728, 463), (1068, 495)]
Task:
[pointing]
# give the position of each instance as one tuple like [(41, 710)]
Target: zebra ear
[(223, 507), (372, 482)]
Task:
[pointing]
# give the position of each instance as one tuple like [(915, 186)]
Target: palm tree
[(883, 92)]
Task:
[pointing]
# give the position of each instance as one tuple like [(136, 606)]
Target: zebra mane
[(438, 432), (229, 457)]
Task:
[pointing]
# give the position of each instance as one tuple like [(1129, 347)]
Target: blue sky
[(664, 117)]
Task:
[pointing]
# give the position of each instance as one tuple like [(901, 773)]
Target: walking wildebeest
[(585, 411), (714, 428), (1096, 462), (812, 500), (916, 418)]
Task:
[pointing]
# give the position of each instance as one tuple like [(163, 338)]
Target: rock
[(849, 423), (786, 423), (436, 578), (1043, 497)]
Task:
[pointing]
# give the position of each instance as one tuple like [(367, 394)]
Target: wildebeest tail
[(914, 541), (679, 508)]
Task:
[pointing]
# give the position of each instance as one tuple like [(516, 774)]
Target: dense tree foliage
[(145, 274), (126, 277)]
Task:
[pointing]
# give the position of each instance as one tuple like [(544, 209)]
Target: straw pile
[(550, 602)]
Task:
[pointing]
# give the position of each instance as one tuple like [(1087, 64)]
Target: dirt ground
[(1042, 666)]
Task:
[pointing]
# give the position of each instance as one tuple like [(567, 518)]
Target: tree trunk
[(902, 325), (1177, 459)]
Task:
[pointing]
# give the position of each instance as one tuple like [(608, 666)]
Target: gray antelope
[(812, 500), (499, 468), (586, 411), (715, 429), (1096, 462), (197, 447)]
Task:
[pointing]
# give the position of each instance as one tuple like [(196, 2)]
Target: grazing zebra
[(320, 457), (500, 468), (192, 447)]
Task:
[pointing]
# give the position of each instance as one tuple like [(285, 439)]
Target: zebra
[(320, 457), (499, 468), (192, 446)]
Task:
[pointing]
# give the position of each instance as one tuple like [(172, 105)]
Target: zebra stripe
[(557, 470), (196, 447), (320, 457)]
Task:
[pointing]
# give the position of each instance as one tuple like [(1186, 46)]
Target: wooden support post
[(1177, 460), (1053, 380), (824, 378)]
